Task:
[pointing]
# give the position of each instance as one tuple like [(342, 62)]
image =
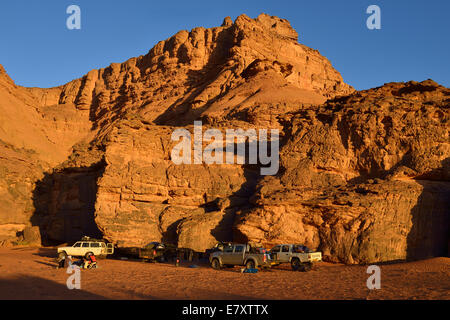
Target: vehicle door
[(227, 255), (74, 250), (95, 248), (103, 247), (109, 248), (84, 249), (274, 253), (285, 253), (238, 255)]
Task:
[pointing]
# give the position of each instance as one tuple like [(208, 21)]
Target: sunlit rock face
[(364, 176)]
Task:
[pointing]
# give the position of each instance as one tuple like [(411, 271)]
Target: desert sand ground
[(30, 273)]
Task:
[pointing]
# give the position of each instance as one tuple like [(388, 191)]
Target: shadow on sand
[(35, 288)]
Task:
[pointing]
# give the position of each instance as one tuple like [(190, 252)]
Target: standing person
[(68, 262)]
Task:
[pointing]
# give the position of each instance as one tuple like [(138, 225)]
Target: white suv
[(86, 248)]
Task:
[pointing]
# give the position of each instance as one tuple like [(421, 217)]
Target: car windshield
[(152, 245), (77, 245)]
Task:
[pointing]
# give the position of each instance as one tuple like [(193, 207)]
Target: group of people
[(88, 262)]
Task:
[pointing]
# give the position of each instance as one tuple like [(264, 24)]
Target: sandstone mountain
[(364, 176)]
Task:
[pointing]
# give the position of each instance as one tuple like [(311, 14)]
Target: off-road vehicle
[(240, 255), (300, 257), (86, 247), (156, 251)]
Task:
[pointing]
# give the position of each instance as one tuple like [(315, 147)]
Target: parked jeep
[(156, 251), (300, 257), (87, 247), (240, 255)]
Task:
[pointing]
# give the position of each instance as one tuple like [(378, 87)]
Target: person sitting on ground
[(64, 261), (90, 262)]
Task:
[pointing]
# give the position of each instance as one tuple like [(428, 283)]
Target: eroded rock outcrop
[(143, 196), (365, 177)]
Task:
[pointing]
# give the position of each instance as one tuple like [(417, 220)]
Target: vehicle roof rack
[(86, 238)]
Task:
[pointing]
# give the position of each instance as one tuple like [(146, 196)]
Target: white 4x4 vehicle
[(86, 248), (299, 256)]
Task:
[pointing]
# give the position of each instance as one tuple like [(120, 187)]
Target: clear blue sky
[(38, 50)]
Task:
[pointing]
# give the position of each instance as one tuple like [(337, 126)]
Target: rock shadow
[(429, 235), (64, 202), (239, 200)]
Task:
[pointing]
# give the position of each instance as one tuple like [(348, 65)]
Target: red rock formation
[(359, 172), (365, 177)]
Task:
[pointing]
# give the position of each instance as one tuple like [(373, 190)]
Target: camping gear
[(251, 271)]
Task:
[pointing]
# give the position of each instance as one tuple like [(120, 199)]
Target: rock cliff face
[(34, 137), (364, 176)]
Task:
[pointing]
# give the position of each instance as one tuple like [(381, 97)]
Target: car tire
[(215, 264), (295, 264), (62, 255), (250, 264)]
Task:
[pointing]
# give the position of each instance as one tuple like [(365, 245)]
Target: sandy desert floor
[(30, 273)]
